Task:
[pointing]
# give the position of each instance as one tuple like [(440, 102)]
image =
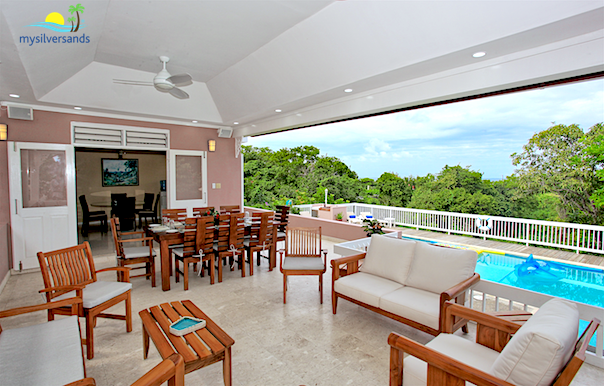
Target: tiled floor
[(299, 343)]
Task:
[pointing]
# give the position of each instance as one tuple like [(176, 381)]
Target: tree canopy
[(559, 177)]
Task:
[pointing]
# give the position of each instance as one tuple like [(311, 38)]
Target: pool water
[(581, 284)]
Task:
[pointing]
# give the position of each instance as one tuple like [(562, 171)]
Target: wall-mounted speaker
[(225, 132), (25, 113)]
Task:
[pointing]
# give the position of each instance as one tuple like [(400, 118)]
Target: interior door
[(187, 179), (42, 200)]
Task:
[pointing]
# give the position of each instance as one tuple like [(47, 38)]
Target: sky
[(481, 134)]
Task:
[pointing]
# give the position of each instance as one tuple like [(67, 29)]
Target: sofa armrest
[(442, 369), (40, 307), (456, 293), (171, 369), (83, 382), (452, 310), (351, 263)]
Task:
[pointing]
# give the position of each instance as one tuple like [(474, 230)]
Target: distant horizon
[(480, 134)]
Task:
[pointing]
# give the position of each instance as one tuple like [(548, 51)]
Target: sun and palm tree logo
[(55, 21), (77, 10)]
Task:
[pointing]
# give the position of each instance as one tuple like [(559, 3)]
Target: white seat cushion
[(389, 258), (98, 292), (365, 287), (134, 252), (541, 347), (436, 269), (44, 354), (415, 304), (303, 263), (415, 371)]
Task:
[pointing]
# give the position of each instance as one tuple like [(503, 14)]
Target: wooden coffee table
[(198, 349)]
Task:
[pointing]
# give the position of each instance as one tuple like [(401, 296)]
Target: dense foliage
[(560, 177)]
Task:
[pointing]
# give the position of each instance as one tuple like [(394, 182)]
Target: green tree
[(394, 190), (555, 161), (594, 153), (77, 9)]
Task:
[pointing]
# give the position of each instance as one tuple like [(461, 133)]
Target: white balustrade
[(577, 237)]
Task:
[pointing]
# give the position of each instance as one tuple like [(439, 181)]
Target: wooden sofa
[(405, 280), (51, 353), (543, 351)]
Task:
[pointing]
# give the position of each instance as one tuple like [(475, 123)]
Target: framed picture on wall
[(120, 172)]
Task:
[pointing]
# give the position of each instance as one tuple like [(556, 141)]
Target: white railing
[(577, 237), (492, 296)]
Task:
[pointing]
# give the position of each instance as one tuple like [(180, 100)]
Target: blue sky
[(481, 134)]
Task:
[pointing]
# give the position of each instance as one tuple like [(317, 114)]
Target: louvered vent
[(93, 136), (146, 139), (121, 137)]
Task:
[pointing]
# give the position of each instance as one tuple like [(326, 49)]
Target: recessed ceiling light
[(194, 121), (13, 95), (278, 110), (479, 54), (78, 108), (348, 90), (235, 123)]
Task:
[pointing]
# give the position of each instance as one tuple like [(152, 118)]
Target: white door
[(42, 200), (187, 179)]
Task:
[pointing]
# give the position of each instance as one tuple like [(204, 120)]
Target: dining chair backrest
[(261, 229), (174, 214), (84, 204), (156, 205), (282, 217), (67, 267), (236, 230), (148, 202), (189, 245), (205, 211), (205, 234), (222, 230), (228, 209)]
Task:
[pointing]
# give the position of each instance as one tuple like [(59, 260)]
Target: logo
[(56, 22)]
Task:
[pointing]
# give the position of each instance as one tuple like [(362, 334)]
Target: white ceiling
[(248, 58)]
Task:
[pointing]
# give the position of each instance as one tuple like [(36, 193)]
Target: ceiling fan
[(164, 82)]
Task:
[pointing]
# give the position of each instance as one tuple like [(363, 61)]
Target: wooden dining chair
[(197, 248), (261, 237), (205, 211), (228, 209), (69, 268), (229, 244), (174, 214), (282, 218), (149, 210), (88, 216), (302, 256), (134, 254)]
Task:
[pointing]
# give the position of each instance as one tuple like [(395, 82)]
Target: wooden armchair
[(451, 360), (204, 211), (174, 214), (302, 256), (171, 370), (65, 268), (134, 255), (282, 218), (37, 354)]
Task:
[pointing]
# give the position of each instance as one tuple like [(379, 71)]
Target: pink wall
[(51, 127)]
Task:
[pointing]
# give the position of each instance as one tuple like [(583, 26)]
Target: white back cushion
[(389, 258), (436, 269), (541, 347)]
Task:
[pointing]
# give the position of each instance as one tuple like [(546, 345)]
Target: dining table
[(167, 237)]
